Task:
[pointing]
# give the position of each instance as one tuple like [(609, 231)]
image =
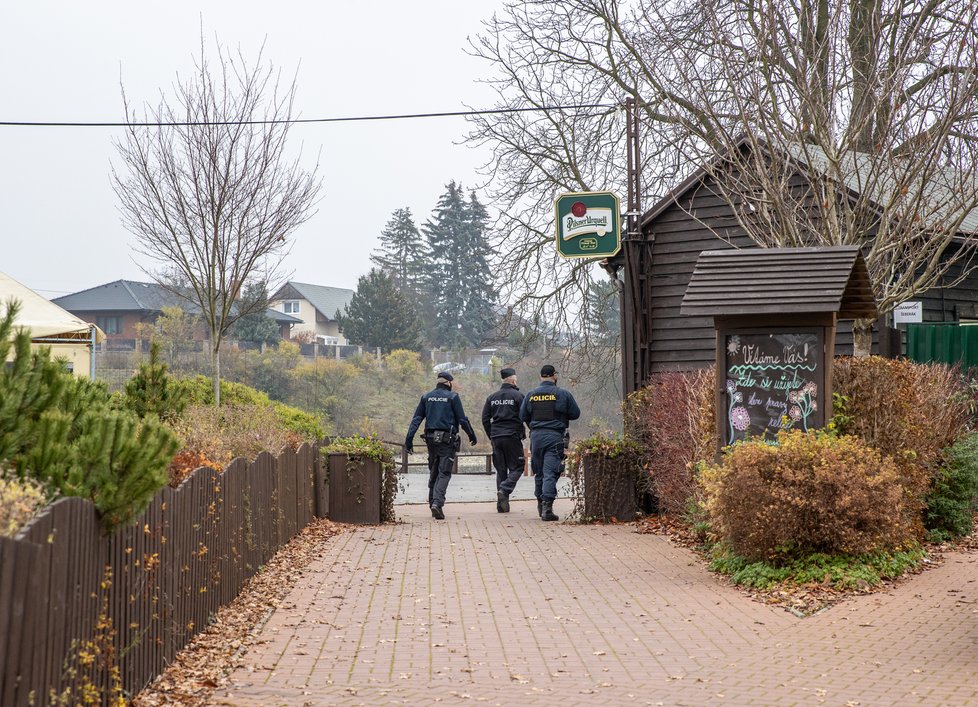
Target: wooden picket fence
[(81, 610)]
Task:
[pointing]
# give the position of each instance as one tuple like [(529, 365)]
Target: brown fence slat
[(188, 554), (8, 555)]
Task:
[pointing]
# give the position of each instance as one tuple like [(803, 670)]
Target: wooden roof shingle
[(781, 281)]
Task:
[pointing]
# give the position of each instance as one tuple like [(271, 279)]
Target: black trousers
[(441, 460), (546, 458), (507, 458)]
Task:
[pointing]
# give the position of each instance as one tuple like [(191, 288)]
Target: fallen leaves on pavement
[(205, 663)]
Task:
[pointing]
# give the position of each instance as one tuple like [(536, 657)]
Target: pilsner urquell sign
[(588, 224)]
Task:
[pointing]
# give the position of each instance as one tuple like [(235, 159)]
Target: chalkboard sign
[(773, 382)]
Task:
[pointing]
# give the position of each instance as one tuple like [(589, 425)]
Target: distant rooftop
[(326, 300), (121, 295), (133, 296)]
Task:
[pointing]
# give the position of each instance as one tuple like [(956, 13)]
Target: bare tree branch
[(215, 204), (823, 122)]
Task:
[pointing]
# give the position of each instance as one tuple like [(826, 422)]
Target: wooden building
[(696, 217)]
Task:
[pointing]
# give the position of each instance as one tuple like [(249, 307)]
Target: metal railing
[(405, 463)]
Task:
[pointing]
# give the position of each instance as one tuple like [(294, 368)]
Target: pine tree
[(458, 276), (480, 315), (151, 390), (66, 433), (401, 253), (379, 315)]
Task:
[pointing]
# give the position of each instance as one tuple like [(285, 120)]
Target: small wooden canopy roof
[(781, 281)]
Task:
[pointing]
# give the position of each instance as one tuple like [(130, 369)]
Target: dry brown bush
[(218, 435), (912, 411), (813, 492), (674, 420), (20, 500)]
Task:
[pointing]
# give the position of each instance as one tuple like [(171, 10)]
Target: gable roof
[(121, 295), (133, 296), (780, 281), (326, 300), (860, 175), (41, 317)]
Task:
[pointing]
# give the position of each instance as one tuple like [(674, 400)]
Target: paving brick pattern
[(494, 609)]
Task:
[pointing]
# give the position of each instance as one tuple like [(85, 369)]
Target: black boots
[(547, 511), (502, 502), (437, 513), (540, 508)]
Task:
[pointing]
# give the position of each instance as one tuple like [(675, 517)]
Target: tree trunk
[(862, 337), (216, 360)]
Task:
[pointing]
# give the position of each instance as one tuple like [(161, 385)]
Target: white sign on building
[(908, 313)]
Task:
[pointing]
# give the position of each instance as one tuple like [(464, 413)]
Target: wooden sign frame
[(821, 326)]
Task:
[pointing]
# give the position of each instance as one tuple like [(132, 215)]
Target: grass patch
[(836, 571)]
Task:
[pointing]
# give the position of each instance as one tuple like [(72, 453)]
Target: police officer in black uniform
[(502, 424), (441, 409), (547, 410)]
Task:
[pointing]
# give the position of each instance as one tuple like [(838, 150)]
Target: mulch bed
[(207, 661), (805, 599)]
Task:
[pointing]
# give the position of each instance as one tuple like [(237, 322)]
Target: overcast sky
[(60, 229)]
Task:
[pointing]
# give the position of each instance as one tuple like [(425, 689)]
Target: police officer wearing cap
[(502, 424), (441, 410), (547, 410)]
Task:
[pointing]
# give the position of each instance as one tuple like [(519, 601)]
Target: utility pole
[(637, 251)]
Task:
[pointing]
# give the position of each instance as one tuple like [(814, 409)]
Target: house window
[(291, 306), (110, 325)]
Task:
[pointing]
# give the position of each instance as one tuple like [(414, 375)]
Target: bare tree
[(210, 189), (872, 102)]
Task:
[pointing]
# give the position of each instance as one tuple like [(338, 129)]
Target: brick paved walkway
[(509, 610)]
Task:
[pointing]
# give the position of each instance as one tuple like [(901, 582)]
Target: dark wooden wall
[(700, 219), (956, 300)]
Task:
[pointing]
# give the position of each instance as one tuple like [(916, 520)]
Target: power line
[(294, 121)]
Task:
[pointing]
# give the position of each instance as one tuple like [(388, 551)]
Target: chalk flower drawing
[(804, 402), (740, 418)]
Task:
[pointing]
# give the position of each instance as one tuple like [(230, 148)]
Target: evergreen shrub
[(199, 392), (951, 502), (65, 433), (152, 391), (813, 492), (674, 420)]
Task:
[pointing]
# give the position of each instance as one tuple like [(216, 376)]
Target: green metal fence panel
[(943, 343)]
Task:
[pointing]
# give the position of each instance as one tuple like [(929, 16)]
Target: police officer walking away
[(501, 421), (441, 409), (547, 410)]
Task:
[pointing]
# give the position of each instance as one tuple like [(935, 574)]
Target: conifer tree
[(379, 315), (458, 276), (151, 390), (402, 251), (63, 431), (256, 325)]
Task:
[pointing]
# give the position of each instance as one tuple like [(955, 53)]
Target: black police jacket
[(441, 409), (548, 407), (501, 413)]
